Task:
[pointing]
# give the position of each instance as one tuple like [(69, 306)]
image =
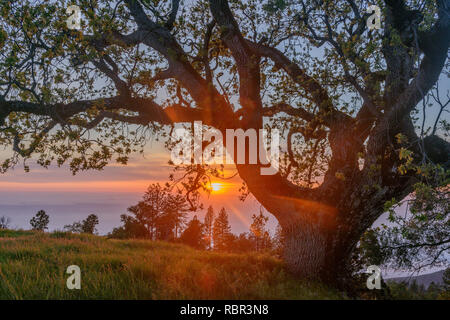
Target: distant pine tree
[(208, 226), (161, 212), (221, 231), (259, 234), (278, 240), (243, 243), (193, 234), (131, 228)]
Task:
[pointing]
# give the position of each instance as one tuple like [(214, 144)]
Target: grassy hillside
[(33, 266)]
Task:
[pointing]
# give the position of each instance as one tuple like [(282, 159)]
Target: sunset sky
[(108, 193)]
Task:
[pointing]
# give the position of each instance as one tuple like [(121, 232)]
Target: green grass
[(33, 266)]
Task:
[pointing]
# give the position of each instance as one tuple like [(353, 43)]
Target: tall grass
[(33, 266)]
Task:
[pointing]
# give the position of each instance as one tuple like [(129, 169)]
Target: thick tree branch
[(148, 110), (160, 39), (429, 71), (34, 144), (121, 85), (319, 96), (289, 110), (173, 14), (248, 64)]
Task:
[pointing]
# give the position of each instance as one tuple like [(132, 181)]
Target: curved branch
[(148, 110), (319, 95), (121, 85), (34, 144), (248, 64), (160, 39), (289, 110), (173, 14)]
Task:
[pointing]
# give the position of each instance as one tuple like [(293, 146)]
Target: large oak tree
[(345, 96)]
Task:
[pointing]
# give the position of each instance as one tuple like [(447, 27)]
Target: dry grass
[(33, 265)]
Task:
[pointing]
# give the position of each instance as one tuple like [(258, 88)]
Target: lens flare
[(216, 186)]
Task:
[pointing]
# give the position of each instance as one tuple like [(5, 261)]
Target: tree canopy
[(352, 102)]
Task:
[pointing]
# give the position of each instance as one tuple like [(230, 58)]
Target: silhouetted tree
[(150, 209), (278, 240), (40, 221), (75, 227), (193, 234), (175, 214), (85, 226), (221, 231), (88, 225), (243, 243), (258, 232), (208, 223), (161, 213), (131, 228)]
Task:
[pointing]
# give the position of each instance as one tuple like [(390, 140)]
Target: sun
[(216, 186)]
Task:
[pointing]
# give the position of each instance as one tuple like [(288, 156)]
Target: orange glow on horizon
[(78, 186)]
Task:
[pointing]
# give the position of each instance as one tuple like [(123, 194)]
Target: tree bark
[(315, 249), (305, 250), (321, 250)]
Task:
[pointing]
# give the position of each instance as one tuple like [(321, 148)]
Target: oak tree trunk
[(318, 254), (314, 251)]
